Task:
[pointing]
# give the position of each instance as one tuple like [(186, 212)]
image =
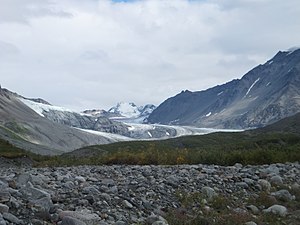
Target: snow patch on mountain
[(251, 87), (39, 108), (208, 114)]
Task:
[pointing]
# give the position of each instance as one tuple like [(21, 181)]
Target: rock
[(159, 223), (209, 193), (238, 165), (295, 187), (283, 195), (3, 185), (23, 179), (4, 196), (106, 197), (276, 180), (88, 218), (265, 185), (91, 190), (249, 181), (80, 179), (154, 218), (113, 189), (127, 204), (11, 218), (253, 209), (38, 198), (120, 222), (3, 208), (34, 193), (44, 203), (173, 181), (108, 182), (71, 221), (102, 223), (242, 185), (277, 209), (69, 184), (250, 223)]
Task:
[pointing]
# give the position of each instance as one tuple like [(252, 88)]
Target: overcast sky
[(85, 54)]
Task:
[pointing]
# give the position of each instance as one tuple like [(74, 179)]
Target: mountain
[(93, 121), (130, 112), (287, 125), (29, 130), (96, 122), (264, 95)]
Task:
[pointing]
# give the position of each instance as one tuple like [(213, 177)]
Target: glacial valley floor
[(185, 194)]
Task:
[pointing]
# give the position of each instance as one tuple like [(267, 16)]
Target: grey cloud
[(22, 11), (94, 55), (144, 52), (7, 49)]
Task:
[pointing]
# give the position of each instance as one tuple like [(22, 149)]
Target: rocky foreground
[(154, 195)]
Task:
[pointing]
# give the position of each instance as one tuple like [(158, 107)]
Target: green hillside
[(216, 148), (10, 151)]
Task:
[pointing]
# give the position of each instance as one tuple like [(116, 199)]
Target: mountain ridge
[(263, 95), (22, 126)]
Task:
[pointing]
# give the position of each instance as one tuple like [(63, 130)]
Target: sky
[(92, 54)]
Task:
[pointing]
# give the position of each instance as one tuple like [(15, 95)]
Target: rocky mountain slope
[(22, 126), (264, 95)]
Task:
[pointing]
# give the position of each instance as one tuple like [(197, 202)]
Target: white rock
[(80, 179), (265, 185), (277, 209)]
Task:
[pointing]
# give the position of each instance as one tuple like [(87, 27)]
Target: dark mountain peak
[(265, 94), (185, 91), (281, 56)]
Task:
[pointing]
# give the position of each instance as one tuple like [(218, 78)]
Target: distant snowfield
[(180, 131), (110, 136)]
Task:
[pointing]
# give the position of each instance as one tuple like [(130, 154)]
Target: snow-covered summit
[(126, 109), (129, 110)]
